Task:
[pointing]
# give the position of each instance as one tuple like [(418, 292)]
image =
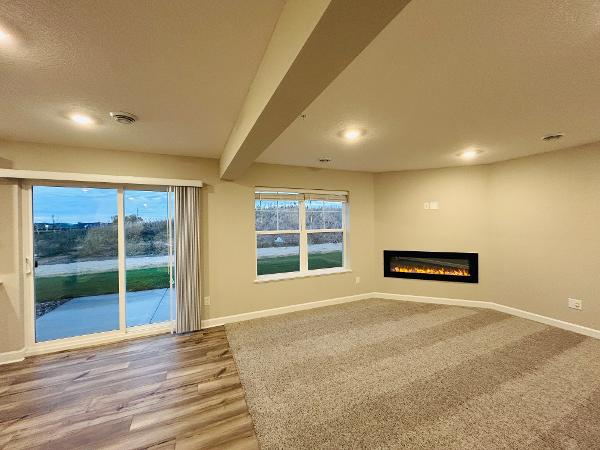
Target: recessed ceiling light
[(469, 154), (552, 137), (352, 134), (81, 119), (4, 36)]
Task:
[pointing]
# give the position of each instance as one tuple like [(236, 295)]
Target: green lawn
[(281, 264), (70, 286)]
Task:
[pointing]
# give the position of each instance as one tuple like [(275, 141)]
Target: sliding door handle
[(28, 268)]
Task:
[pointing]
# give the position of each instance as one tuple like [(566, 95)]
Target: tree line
[(142, 238)]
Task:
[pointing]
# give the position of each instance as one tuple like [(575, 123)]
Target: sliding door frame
[(123, 332)]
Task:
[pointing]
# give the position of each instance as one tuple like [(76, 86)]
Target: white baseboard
[(407, 298), (436, 300), (281, 310), (11, 357), (19, 355), (580, 329)]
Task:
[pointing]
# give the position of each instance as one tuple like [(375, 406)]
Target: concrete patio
[(94, 314)]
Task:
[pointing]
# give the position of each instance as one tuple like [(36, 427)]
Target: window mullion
[(121, 257), (303, 238), (258, 233)]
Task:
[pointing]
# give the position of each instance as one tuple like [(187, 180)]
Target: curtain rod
[(95, 178)]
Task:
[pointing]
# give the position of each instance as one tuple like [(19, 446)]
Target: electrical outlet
[(206, 301), (357, 280), (575, 304)]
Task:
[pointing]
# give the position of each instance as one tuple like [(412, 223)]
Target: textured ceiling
[(184, 67), (448, 75)]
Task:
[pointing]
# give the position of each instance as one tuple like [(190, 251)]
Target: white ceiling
[(184, 67), (442, 77), (448, 75)]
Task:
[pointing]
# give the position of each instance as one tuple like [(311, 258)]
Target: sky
[(74, 204)]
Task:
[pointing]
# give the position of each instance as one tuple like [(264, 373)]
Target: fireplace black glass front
[(441, 266)]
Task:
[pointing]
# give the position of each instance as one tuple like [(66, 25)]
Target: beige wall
[(545, 233), (461, 224), (231, 229), (11, 304), (228, 225), (535, 222)]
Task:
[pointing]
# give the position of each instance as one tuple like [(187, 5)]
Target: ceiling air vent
[(123, 117), (552, 137)]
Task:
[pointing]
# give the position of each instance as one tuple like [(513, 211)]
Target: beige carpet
[(388, 374)]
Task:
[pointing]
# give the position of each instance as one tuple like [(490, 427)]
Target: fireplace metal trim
[(473, 259)]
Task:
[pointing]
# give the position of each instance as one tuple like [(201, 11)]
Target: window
[(299, 233)]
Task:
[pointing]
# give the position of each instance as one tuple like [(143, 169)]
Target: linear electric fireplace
[(442, 266)]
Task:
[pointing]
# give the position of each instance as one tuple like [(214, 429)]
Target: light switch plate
[(575, 304)]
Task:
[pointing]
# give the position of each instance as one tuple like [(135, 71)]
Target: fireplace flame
[(432, 271)]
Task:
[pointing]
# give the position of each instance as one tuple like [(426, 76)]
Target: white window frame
[(303, 233)]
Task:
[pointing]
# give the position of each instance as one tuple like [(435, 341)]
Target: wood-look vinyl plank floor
[(162, 392)]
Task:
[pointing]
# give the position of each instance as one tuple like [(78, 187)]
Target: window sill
[(294, 275)]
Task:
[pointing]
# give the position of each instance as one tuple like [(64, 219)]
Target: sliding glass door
[(148, 244), (76, 261), (103, 260)]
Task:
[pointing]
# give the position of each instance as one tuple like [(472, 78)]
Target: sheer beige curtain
[(187, 259)]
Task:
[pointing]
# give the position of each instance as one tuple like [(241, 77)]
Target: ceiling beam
[(313, 42)]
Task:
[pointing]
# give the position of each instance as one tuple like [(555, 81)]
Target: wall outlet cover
[(575, 304)]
